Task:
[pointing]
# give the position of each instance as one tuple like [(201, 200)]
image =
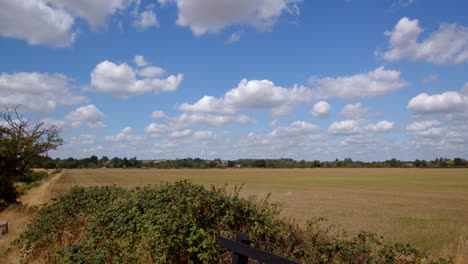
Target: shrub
[(179, 223)]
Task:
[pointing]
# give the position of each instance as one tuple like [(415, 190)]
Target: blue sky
[(369, 80)]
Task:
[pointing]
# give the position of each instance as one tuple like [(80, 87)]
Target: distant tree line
[(116, 162)]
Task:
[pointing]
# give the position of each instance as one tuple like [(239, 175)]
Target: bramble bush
[(179, 223)]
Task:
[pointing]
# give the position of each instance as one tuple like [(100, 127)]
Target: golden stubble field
[(424, 207)]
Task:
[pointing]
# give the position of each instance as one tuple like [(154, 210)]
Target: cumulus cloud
[(207, 104), (140, 61), (212, 120), (36, 92), (88, 114), (151, 71), (353, 127), (125, 135), (53, 122), (426, 128), (36, 22), (52, 22), (84, 139), (94, 12), (146, 19), (374, 83), (353, 111), (382, 126), (159, 114), (449, 44), (320, 109), (423, 125), (345, 127), (296, 128), (208, 16), (181, 133), (157, 129), (448, 102), (253, 94), (123, 81), (204, 135)]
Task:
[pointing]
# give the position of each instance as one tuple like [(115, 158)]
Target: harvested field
[(424, 207)]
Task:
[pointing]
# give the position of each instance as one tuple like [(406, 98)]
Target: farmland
[(424, 207)]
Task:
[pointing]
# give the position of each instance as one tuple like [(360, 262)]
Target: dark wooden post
[(237, 258), (3, 228), (242, 251)]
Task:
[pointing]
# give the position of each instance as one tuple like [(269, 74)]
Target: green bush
[(179, 223), (33, 176)]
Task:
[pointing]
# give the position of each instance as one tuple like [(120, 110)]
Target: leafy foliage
[(179, 223), (21, 143)]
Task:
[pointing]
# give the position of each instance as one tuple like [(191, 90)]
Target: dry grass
[(424, 207), (41, 194), (18, 217)]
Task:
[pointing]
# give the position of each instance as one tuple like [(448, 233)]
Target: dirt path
[(41, 194), (18, 216)]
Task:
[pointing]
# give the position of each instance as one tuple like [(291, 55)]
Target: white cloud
[(181, 133), (205, 135), (52, 22), (151, 71), (159, 114), (126, 135), (53, 122), (84, 139), (423, 125), (345, 127), (448, 102), (208, 16), (233, 38), (36, 92), (207, 104), (320, 109), (121, 80), (205, 119), (377, 82), (449, 44), (36, 22), (170, 84), (245, 120), (382, 126), (254, 94), (98, 150), (353, 111), (95, 12), (140, 61), (426, 129), (354, 127), (296, 128), (146, 19), (88, 114), (156, 129), (166, 146)]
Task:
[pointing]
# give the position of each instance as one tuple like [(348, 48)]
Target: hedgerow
[(179, 223)]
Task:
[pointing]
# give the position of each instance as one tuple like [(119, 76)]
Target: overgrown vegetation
[(179, 223)]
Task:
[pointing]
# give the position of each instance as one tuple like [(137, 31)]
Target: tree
[(21, 145), (417, 163), (259, 163)]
